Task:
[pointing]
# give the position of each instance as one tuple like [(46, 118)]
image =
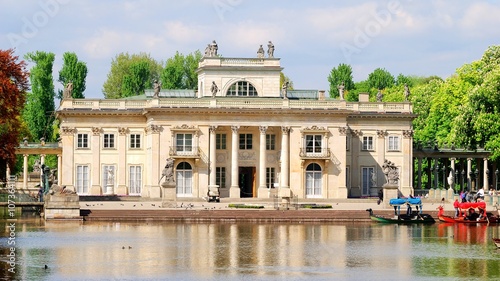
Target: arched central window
[(242, 89)]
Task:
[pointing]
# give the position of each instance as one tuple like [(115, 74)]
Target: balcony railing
[(185, 152), (315, 153)]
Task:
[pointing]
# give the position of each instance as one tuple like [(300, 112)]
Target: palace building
[(241, 132)]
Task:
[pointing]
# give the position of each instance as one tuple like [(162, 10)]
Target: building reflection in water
[(209, 251)]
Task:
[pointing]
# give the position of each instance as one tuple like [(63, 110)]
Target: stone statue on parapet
[(451, 179), (168, 172), (270, 49), (260, 52), (284, 90), (391, 172), (68, 90), (213, 49), (341, 89), (380, 96), (157, 88), (214, 89), (407, 92)]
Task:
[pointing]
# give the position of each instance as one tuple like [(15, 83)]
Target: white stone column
[(234, 191), (263, 191), (485, 175), (452, 170), (469, 170), (121, 170), (59, 169), (97, 187), (285, 165), (42, 159), (25, 171)]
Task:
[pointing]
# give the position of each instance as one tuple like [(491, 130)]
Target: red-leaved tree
[(13, 86)]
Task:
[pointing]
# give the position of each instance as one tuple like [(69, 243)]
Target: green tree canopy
[(338, 75), (39, 109), (180, 71), (135, 82), (74, 71), (380, 79), (121, 67)]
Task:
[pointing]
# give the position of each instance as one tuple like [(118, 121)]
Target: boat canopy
[(403, 201), (475, 205)]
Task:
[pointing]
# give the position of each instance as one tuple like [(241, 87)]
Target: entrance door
[(246, 181)]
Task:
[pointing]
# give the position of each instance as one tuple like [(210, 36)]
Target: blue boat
[(411, 215)]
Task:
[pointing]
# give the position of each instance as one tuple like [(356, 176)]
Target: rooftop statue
[(214, 89), (284, 90), (260, 52), (68, 90), (341, 88), (380, 96), (407, 92), (270, 49), (157, 88)]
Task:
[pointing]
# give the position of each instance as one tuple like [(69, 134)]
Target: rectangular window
[(184, 142), (109, 141), (270, 177), (245, 141), (393, 143), (135, 141), (270, 142), (82, 141), (313, 143), (368, 143), (135, 180), (82, 179), (367, 180), (220, 177), (220, 141)]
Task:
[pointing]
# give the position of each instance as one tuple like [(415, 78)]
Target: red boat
[(471, 213)]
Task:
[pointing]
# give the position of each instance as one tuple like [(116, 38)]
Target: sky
[(410, 37)]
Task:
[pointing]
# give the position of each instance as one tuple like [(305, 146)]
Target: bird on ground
[(46, 267)]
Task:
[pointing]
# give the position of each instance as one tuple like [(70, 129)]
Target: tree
[(13, 87), (74, 71), (135, 83), (341, 74), (121, 66), (39, 109), (380, 79), (180, 71)]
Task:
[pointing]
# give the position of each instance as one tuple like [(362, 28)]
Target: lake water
[(247, 251)]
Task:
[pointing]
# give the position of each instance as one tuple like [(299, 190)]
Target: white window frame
[(368, 143), (270, 177), (82, 179), (135, 179), (135, 141), (393, 143), (220, 177), (245, 141), (82, 140), (313, 143), (108, 141), (366, 180), (184, 145), (270, 142), (314, 182)]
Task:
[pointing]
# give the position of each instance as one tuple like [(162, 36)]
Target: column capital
[(263, 129), (285, 129), (212, 128), (235, 129), (122, 131)]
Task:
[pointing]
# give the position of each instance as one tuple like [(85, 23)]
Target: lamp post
[(496, 179), (436, 176)]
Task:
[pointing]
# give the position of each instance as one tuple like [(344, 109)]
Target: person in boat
[(456, 205), (408, 209), (472, 215)]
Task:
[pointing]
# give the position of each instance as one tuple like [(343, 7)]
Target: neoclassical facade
[(247, 136)]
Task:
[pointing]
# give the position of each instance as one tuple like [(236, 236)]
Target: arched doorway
[(184, 180), (313, 181)]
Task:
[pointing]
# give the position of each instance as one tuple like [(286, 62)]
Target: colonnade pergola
[(469, 169), (42, 149)]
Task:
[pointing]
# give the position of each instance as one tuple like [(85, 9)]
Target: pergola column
[(419, 180), (485, 174), (452, 171), (25, 171), (59, 165), (234, 191), (469, 173)]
